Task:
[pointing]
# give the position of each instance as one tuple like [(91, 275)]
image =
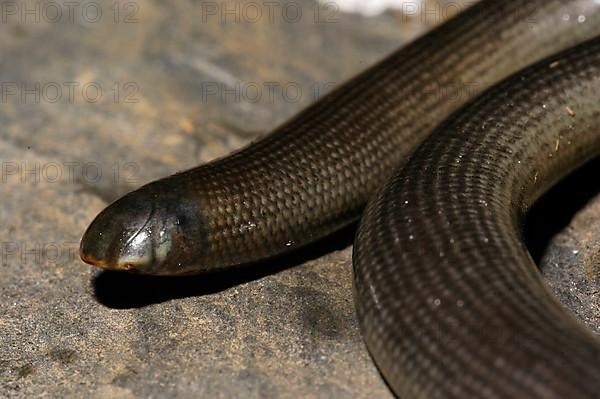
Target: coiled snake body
[(439, 261)]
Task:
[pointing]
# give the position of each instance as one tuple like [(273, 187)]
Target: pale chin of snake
[(439, 247)]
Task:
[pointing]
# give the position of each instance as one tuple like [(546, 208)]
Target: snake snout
[(120, 236)]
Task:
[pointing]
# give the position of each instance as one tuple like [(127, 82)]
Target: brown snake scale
[(449, 300)]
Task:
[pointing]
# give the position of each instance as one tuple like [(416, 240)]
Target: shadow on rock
[(123, 290), (554, 211)]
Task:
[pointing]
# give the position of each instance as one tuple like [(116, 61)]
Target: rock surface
[(131, 93)]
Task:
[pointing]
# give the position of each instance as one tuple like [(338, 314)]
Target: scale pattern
[(314, 174), (449, 300)]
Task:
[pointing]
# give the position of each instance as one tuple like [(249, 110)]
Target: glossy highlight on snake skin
[(439, 247)]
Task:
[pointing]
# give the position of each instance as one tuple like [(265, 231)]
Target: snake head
[(147, 231)]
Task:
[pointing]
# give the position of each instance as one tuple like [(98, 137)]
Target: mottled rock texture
[(95, 105)]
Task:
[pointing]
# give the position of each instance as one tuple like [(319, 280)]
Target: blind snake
[(449, 300)]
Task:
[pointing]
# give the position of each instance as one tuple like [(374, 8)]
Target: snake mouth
[(90, 260), (104, 265)]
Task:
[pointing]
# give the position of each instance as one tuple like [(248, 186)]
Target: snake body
[(439, 248), (458, 275)]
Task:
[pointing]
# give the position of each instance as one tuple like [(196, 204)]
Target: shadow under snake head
[(146, 231)]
